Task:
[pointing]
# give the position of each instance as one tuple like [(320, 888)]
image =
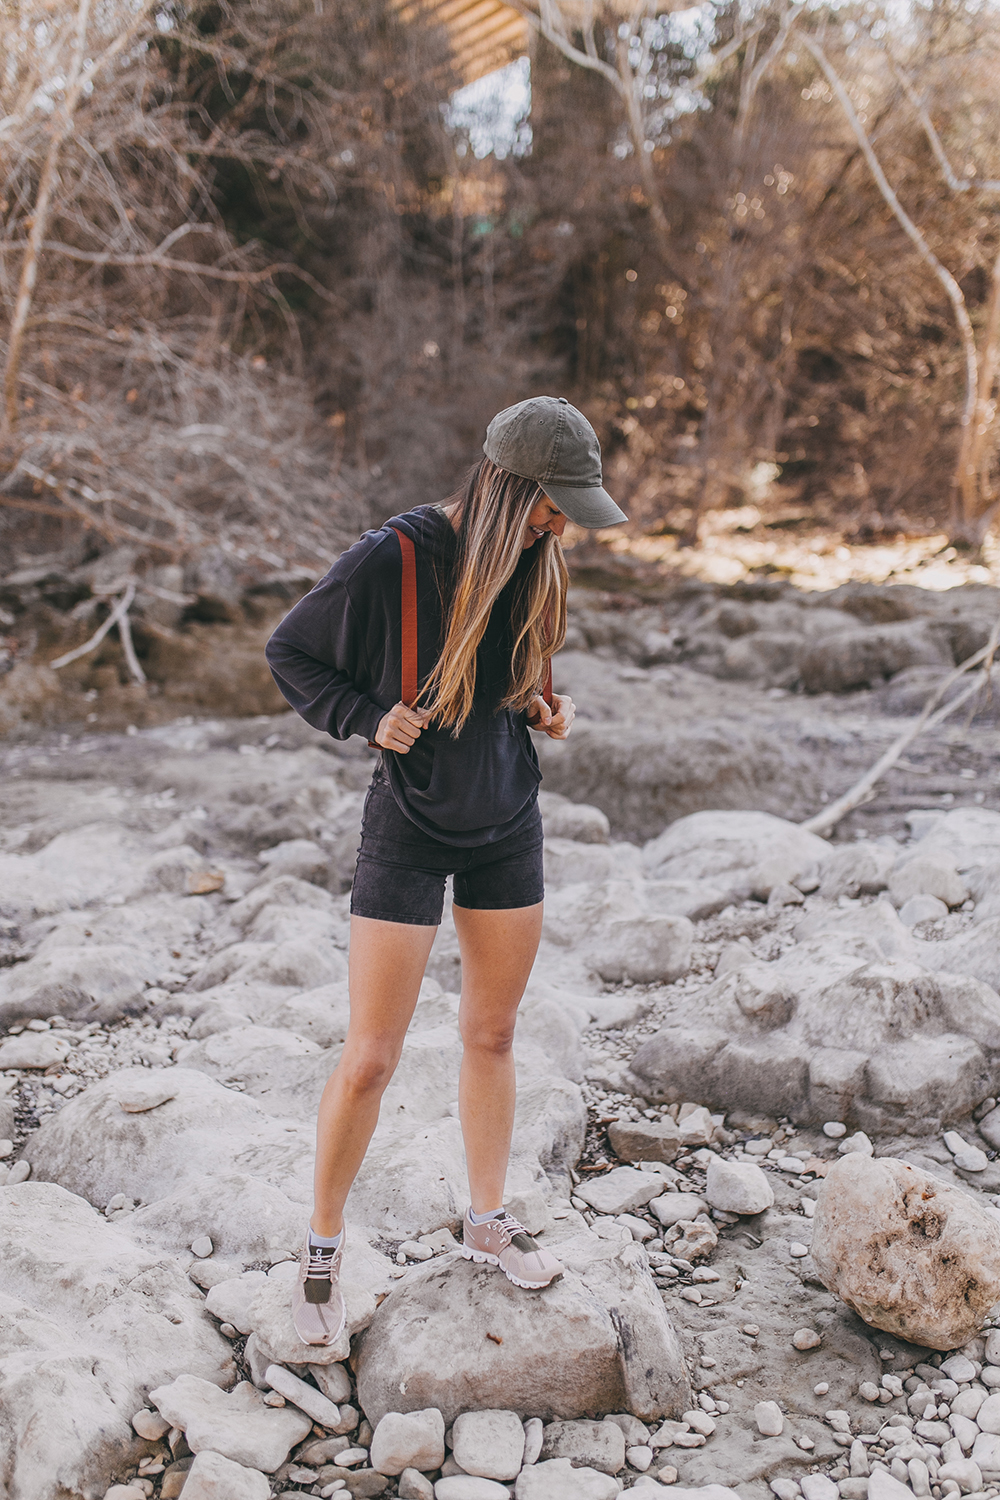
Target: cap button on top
[(563, 401)]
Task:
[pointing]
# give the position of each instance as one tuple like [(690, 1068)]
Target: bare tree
[(972, 504)]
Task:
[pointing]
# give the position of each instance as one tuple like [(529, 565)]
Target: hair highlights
[(494, 513)]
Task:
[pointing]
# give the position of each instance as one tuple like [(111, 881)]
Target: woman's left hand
[(555, 721)]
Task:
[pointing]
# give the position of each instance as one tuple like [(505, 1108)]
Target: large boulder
[(751, 851), (89, 1323), (905, 1251), (461, 1337), (762, 1038), (868, 657)]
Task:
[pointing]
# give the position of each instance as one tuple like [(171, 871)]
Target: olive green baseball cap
[(548, 440)]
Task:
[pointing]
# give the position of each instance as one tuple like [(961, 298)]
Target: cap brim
[(585, 507)]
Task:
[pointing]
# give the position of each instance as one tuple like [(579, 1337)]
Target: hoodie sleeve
[(317, 656)]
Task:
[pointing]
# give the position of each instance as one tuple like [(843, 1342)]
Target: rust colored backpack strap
[(409, 681)]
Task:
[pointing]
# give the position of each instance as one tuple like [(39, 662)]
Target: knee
[(494, 1041), (366, 1072)]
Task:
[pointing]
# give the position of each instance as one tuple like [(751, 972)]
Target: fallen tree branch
[(927, 719), (114, 618)]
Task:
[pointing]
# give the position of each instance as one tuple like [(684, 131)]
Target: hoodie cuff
[(366, 718)]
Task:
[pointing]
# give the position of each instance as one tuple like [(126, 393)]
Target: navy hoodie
[(337, 659)]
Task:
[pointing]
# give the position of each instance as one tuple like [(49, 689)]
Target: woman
[(457, 608)]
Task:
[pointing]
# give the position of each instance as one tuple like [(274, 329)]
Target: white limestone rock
[(238, 1424), (270, 1317), (738, 1187), (645, 949), (488, 1443), (408, 1440), (214, 1477), (754, 850), (88, 1322), (557, 1479), (561, 1353), (909, 1254), (593, 1445), (620, 1191), (33, 1049)]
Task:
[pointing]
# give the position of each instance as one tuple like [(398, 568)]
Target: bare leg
[(498, 949), (386, 964)]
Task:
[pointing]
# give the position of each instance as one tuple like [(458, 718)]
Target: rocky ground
[(733, 1031)]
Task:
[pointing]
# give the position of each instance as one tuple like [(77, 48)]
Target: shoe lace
[(320, 1263), (510, 1226)]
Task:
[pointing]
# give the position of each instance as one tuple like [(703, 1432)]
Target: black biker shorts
[(401, 870)]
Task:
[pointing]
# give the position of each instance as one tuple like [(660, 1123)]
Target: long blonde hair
[(494, 511)]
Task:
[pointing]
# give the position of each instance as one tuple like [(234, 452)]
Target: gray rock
[(238, 1424), (213, 1477), (856, 869), (33, 1049), (868, 657), (754, 850), (926, 875), (270, 1317), (620, 1191), (946, 1076), (563, 819), (408, 1440), (561, 1353), (333, 1380), (230, 1300), (737, 1187), (534, 1434), (645, 949), (921, 908), (303, 1395), (594, 1445), (86, 1328), (467, 1487), (415, 1486), (644, 1140), (102, 982), (905, 1251), (676, 1208), (488, 1443), (557, 1479)]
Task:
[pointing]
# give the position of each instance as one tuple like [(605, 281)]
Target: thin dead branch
[(118, 613)]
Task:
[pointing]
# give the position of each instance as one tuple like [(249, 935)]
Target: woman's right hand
[(400, 728)]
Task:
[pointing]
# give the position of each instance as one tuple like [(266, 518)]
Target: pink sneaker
[(318, 1310), (505, 1243)]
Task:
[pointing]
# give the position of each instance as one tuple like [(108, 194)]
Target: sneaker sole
[(481, 1257)]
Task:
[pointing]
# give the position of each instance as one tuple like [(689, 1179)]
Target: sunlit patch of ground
[(735, 543)]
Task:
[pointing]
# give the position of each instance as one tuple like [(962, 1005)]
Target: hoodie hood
[(428, 528)]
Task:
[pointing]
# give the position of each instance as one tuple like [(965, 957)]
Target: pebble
[(413, 1250), (534, 1436), (868, 1391), (350, 1456), (767, 1416), (835, 1129), (467, 1487), (806, 1338), (797, 1250), (972, 1160), (700, 1421), (823, 1389), (818, 1487), (785, 1489), (150, 1425), (639, 1457), (202, 1247), (857, 1142), (306, 1397), (19, 1172), (413, 1486)]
